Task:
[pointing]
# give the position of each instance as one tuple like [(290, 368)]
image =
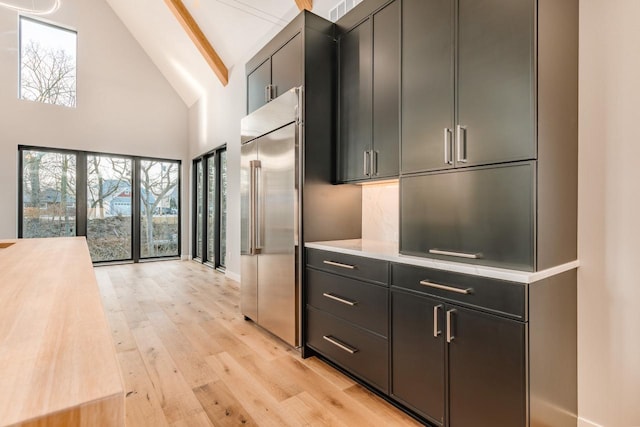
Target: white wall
[(125, 105), (609, 214)]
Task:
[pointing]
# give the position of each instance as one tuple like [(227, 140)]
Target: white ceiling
[(235, 28)]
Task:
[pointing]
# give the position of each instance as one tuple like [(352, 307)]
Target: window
[(128, 207), (48, 194), (47, 63), (210, 208)]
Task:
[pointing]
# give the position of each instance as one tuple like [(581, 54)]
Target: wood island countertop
[(58, 363)]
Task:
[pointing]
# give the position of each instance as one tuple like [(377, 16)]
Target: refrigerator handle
[(257, 206), (253, 195)]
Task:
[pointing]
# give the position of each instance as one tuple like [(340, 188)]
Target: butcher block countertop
[(57, 359)]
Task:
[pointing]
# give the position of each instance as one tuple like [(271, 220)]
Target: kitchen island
[(57, 359)]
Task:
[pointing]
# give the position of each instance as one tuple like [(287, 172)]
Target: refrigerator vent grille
[(340, 9)]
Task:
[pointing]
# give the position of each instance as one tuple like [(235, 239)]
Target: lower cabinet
[(479, 356), (458, 350)]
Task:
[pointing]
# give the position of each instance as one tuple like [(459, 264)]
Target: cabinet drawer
[(480, 216), (491, 295), (360, 352), (358, 302), (349, 265)]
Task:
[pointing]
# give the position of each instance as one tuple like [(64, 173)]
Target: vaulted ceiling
[(234, 28)]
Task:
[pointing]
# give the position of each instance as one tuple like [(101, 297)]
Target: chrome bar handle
[(339, 264), (339, 299), (446, 288), (367, 162), (448, 146), (456, 254), (257, 166), (252, 208), (266, 94), (461, 137), (436, 330), (374, 163), (450, 335), (340, 344)]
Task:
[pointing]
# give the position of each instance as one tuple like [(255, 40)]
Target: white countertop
[(389, 252)]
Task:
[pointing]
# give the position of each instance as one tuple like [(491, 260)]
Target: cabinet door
[(355, 102), (286, 67), (480, 216), (496, 81), (418, 354), (386, 91), (257, 83), (487, 370), (427, 85)]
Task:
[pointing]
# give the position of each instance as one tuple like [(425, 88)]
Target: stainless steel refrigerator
[(286, 193)]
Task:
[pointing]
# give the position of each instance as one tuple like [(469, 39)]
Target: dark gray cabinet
[(487, 369), (347, 313), (369, 97), (493, 117), (418, 354), (427, 85), (278, 73), (480, 215)]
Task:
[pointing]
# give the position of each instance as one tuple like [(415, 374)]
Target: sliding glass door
[(109, 207), (48, 194), (210, 202), (159, 202), (127, 207)]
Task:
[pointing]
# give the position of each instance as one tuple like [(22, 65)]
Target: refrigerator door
[(277, 222), (248, 257)]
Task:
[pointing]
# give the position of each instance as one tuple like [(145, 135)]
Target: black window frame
[(81, 197), (205, 158)]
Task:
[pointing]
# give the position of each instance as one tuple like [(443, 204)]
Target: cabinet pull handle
[(436, 329), (367, 163), (461, 136), (450, 335), (273, 92), (374, 163), (456, 254), (339, 299), (339, 264), (266, 94), (446, 288), (340, 344), (448, 147)]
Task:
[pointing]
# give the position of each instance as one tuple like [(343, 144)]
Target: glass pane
[(199, 197), (159, 204), (47, 63), (211, 208), (109, 207), (223, 208), (48, 194)]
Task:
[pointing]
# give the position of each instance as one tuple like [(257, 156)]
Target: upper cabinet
[(467, 98), (369, 96), (278, 73)]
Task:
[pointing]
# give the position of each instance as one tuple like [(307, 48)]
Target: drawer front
[(357, 267), (491, 295), (358, 302), (482, 216), (360, 352)]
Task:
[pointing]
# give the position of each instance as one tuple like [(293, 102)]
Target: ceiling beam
[(305, 4), (198, 38)]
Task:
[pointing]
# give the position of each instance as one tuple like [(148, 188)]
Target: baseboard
[(233, 276), (582, 422)]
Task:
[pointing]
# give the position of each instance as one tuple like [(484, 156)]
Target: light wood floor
[(188, 358)]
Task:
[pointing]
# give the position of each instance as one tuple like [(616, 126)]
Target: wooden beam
[(198, 38), (305, 4)]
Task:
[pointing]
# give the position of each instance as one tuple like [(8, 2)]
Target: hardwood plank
[(222, 408), (143, 405), (122, 337), (176, 398)]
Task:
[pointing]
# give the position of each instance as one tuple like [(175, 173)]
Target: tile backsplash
[(380, 212)]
